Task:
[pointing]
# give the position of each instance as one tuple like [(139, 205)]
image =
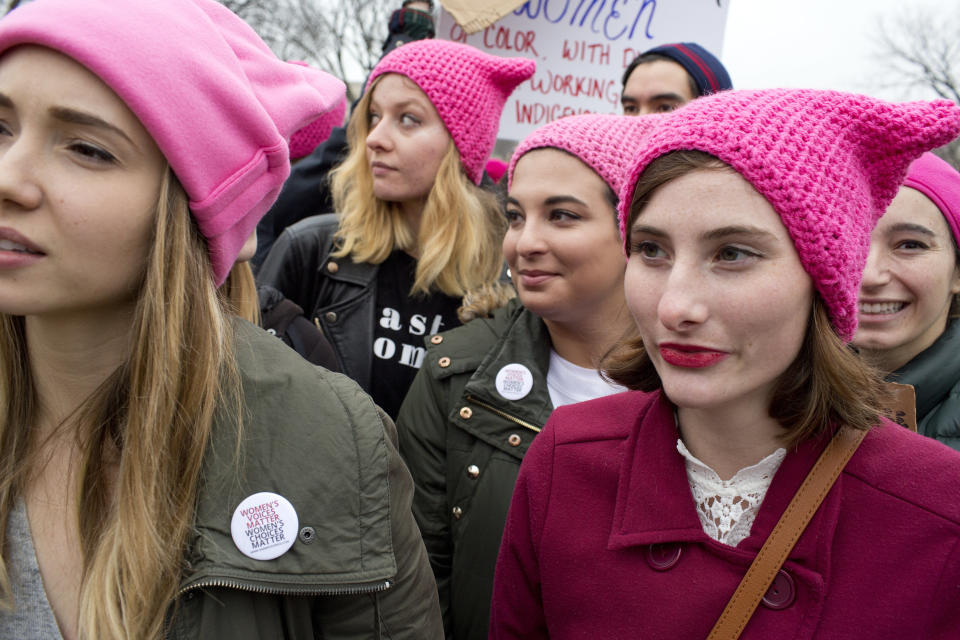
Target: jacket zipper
[(347, 590), (504, 414)]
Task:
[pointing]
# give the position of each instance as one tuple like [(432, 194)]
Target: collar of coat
[(654, 503)]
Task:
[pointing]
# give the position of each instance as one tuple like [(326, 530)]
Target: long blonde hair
[(150, 421), (461, 229), (239, 293)]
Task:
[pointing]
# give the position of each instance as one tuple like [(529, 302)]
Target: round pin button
[(444, 362), (264, 526), (514, 381), (466, 413), (436, 339)]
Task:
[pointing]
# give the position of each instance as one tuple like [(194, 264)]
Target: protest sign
[(582, 47)]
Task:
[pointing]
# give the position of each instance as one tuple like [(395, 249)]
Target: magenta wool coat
[(603, 539)]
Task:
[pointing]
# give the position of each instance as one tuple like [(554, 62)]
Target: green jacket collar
[(935, 371)]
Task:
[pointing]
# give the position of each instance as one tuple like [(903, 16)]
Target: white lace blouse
[(727, 508)]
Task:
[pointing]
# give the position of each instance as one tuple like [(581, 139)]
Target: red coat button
[(663, 556), (781, 593)]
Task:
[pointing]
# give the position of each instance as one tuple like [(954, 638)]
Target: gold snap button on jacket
[(466, 412), (333, 267), (514, 440), (473, 471), (457, 512), (331, 316), (436, 339), (444, 362)]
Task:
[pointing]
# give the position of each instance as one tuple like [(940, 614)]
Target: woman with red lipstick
[(910, 296), (167, 469), (747, 219), (416, 230), (487, 388)]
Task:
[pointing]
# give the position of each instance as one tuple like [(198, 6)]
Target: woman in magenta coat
[(747, 220)]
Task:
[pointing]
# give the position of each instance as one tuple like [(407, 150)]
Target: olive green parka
[(358, 567), (463, 443)]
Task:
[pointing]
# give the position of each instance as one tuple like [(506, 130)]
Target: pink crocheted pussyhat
[(828, 162), (305, 140), (940, 182), (605, 143), (467, 87), (212, 95)]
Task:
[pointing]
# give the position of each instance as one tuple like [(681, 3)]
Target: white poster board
[(582, 47)]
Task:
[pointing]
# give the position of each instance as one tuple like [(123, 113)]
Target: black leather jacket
[(338, 294)]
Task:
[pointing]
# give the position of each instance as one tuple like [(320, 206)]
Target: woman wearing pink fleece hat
[(747, 218), (415, 230), (487, 388), (166, 469), (910, 295)]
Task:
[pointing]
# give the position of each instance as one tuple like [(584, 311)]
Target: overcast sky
[(823, 44)]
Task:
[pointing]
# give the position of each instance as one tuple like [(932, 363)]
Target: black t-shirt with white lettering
[(400, 325)]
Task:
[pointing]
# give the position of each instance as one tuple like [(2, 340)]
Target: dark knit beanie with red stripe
[(707, 71)]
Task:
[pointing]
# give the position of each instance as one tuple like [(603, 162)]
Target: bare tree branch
[(341, 37), (921, 52)]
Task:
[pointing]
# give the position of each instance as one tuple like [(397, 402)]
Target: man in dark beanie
[(667, 76)]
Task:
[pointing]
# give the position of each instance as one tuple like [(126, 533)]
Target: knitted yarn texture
[(605, 143), (828, 162), (940, 182), (467, 87), (217, 102)]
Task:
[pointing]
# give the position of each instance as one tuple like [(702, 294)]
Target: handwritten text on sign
[(582, 47)]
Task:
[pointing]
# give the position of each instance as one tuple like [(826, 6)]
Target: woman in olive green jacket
[(486, 388), (910, 296), (167, 470)]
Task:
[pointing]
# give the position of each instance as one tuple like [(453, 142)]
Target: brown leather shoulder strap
[(785, 534)]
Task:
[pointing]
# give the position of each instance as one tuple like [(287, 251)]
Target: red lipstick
[(690, 356)]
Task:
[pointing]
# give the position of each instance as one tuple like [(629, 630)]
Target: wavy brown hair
[(826, 384), (459, 241), (148, 423)]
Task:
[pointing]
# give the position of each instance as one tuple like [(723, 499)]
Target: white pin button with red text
[(264, 526)]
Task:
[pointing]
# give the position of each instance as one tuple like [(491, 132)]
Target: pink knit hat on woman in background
[(940, 182), (217, 102), (467, 87), (605, 143), (828, 162)]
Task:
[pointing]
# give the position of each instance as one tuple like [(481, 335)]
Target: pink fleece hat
[(217, 102), (467, 87), (940, 182), (605, 143), (828, 162)]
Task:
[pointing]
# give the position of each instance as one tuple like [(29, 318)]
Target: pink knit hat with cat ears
[(829, 163), (214, 98), (467, 87), (940, 182), (605, 143)]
